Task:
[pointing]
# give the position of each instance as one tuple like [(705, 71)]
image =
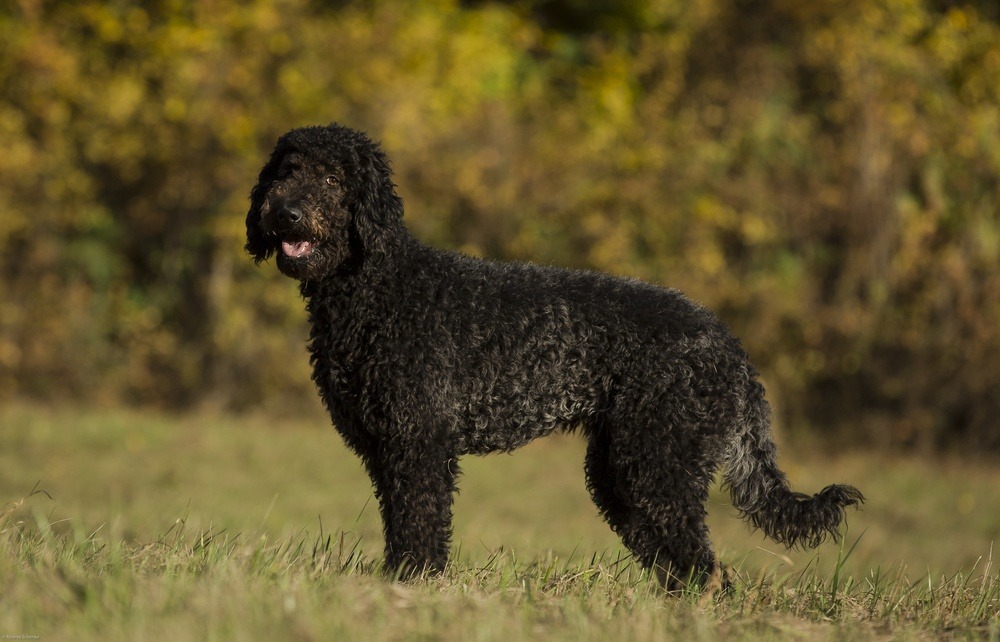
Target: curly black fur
[(422, 356)]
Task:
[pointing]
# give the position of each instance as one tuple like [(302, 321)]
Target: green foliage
[(824, 174)]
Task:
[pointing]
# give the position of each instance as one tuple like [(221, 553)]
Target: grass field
[(219, 528)]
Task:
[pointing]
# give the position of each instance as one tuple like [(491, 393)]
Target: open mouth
[(297, 249)]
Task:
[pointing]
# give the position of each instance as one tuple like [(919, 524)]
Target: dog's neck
[(368, 268)]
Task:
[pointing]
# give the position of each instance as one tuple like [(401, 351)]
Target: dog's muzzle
[(286, 221)]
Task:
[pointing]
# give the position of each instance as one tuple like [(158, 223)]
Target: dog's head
[(323, 201)]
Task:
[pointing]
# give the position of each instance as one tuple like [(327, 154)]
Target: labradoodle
[(423, 355)]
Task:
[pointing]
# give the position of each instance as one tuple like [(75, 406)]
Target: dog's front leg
[(414, 478)]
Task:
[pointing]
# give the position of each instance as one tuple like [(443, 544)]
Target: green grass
[(205, 527)]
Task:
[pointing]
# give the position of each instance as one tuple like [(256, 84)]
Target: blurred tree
[(824, 174)]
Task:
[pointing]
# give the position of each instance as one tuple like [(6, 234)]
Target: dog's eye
[(331, 180)]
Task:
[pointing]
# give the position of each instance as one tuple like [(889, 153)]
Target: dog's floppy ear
[(257, 245), (377, 208)]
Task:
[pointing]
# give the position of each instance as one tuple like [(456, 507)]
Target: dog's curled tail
[(761, 493)]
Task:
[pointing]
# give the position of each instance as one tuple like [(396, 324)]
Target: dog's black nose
[(289, 214)]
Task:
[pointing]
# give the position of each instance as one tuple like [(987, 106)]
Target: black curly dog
[(422, 356)]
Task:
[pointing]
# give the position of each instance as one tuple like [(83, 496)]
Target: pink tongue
[(296, 250)]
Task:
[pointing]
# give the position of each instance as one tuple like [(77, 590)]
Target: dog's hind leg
[(665, 493), (647, 539), (602, 480), (415, 485)]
